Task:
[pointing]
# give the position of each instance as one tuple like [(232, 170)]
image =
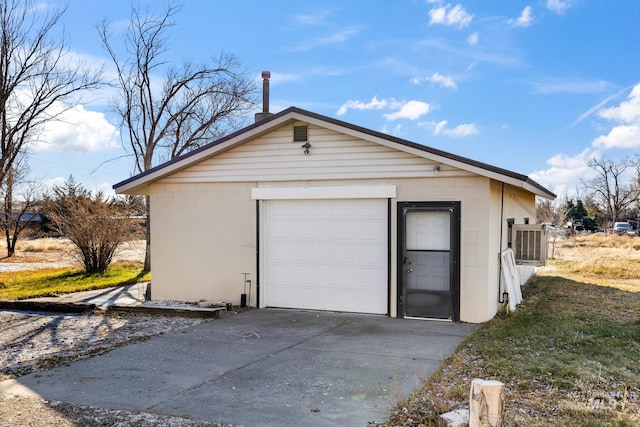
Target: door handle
[(410, 270)]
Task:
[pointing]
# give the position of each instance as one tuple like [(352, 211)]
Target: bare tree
[(36, 74), (547, 212), (167, 111), (556, 216), (20, 204), (613, 189), (94, 225)]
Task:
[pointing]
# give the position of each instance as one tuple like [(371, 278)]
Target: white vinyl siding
[(326, 255), (275, 157)]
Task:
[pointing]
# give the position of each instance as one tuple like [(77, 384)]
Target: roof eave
[(140, 184)]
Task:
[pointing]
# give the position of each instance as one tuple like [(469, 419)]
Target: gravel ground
[(31, 341)]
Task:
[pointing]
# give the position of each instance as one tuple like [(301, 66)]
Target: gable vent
[(300, 133)]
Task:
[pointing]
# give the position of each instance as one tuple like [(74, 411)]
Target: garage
[(303, 211), (326, 254)]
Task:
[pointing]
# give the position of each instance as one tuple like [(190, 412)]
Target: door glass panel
[(428, 230)]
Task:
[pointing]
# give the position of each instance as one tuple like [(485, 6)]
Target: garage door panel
[(372, 299), (280, 252), (370, 255), (369, 230), (342, 229), (306, 275), (340, 278), (343, 208), (280, 229), (280, 273), (330, 255), (306, 229), (340, 253), (344, 300), (306, 252), (308, 209), (371, 208)]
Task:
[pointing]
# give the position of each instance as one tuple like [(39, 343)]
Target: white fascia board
[(334, 192)]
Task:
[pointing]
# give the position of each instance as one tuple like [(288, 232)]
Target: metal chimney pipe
[(266, 75)]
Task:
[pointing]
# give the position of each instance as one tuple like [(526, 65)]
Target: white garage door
[(326, 254)]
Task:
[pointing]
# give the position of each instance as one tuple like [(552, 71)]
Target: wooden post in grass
[(486, 403)]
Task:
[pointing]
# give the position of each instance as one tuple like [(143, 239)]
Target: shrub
[(94, 225)]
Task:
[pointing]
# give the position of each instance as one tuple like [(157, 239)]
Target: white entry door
[(325, 255)]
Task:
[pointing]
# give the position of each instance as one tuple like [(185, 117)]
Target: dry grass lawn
[(53, 252), (570, 354)]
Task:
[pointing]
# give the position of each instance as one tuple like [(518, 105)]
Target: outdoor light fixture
[(436, 168), (306, 147)]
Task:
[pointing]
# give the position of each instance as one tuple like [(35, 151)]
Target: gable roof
[(138, 184)]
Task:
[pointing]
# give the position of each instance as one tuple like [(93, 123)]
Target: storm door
[(429, 248)]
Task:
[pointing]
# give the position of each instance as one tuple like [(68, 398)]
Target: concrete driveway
[(261, 368)]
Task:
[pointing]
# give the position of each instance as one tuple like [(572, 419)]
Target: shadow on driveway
[(261, 368)]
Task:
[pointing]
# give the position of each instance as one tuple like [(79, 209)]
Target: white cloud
[(279, 78), (472, 56), (559, 6), (396, 131), (626, 132), (317, 19), (565, 173), (440, 128), (54, 182), (105, 187), (462, 130), (339, 37), (628, 111), (572, 85), (445, 81), (77, 130), (446, 15), (437, 78), (332, 39), (599, 105), (473, 39), (619, 137), (411, 110), (374, 104), (524, 20)]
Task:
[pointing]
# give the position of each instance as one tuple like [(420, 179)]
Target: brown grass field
[(52, 252), (568, 356)]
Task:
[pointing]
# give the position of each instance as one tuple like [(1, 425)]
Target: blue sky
[(536, 87)]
